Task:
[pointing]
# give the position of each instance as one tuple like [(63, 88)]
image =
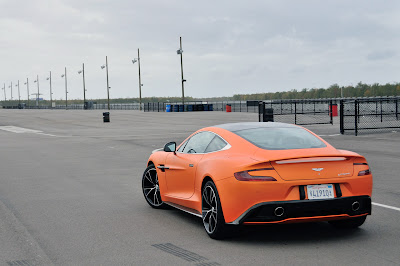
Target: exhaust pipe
[(279, 211), (355, 206)]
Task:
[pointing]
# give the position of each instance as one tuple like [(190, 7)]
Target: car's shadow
[(279, 233)]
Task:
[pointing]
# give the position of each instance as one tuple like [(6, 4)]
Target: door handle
[(162, 168)]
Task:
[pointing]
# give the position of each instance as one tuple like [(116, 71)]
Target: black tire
[(349, 223), (212, 215), (151, 189)]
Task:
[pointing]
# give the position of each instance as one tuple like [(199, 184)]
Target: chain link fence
[(101, 106), (357, 115), (369, 115), (235, 106), (299, 112)]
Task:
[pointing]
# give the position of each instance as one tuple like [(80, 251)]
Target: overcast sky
[(230, 47)]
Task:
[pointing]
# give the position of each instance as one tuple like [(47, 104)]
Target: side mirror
[(170, 147)]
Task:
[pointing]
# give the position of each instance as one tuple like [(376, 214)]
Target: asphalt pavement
[(70, 194)]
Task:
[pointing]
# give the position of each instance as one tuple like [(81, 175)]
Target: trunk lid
[(314, 168), (309, 164)]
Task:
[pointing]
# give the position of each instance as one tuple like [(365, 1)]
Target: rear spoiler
[(312, 159), (301, 156)]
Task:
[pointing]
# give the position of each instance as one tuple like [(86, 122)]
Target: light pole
[(66, 88), (38, 94), (84, 89), (27, 88), (11, 90), (19, 95), (51, 93), (5, 96), (108, 87), (180, 51), (140, 79)]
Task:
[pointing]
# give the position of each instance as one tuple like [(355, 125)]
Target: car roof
[(251, 125)]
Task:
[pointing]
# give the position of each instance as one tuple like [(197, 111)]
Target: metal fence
[(299, 112), (282, 107), (118, 106), (236, 106), (155, 107), (369, 115), (101, 106), (357, 115)]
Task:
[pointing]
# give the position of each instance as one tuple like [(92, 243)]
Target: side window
[(216, 144), (198, 143)]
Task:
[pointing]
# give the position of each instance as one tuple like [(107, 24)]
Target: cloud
[(381, 55), (229, 46)]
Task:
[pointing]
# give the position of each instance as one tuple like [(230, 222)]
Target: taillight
[(364, 172), (245, 176)]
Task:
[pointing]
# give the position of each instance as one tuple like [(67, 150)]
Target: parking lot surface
[(70, 194)]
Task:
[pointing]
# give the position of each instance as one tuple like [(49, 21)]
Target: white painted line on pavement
[(51, 135), (333, 135), (19, 130), (386, 206)]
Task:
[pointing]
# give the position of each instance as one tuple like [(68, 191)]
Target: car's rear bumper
[(306, 210)]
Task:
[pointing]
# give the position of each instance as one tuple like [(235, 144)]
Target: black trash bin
[(106, 117), (268, 115)]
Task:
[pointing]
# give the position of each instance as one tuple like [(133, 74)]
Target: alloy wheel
[(151, 188), (209, 209)]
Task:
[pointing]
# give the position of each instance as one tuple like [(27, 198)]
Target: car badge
[(343, 174), (317, 169)]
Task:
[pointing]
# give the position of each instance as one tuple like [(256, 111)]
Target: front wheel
[(349, 223), (151, 189), (213, 217)]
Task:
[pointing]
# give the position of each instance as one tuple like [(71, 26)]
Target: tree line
[(333, 91)]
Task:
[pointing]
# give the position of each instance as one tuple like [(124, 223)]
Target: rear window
[(280, 138)]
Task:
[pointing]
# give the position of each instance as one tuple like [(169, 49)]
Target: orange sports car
[(259, 173)]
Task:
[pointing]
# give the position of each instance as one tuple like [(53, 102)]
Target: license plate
[(320, 191)]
